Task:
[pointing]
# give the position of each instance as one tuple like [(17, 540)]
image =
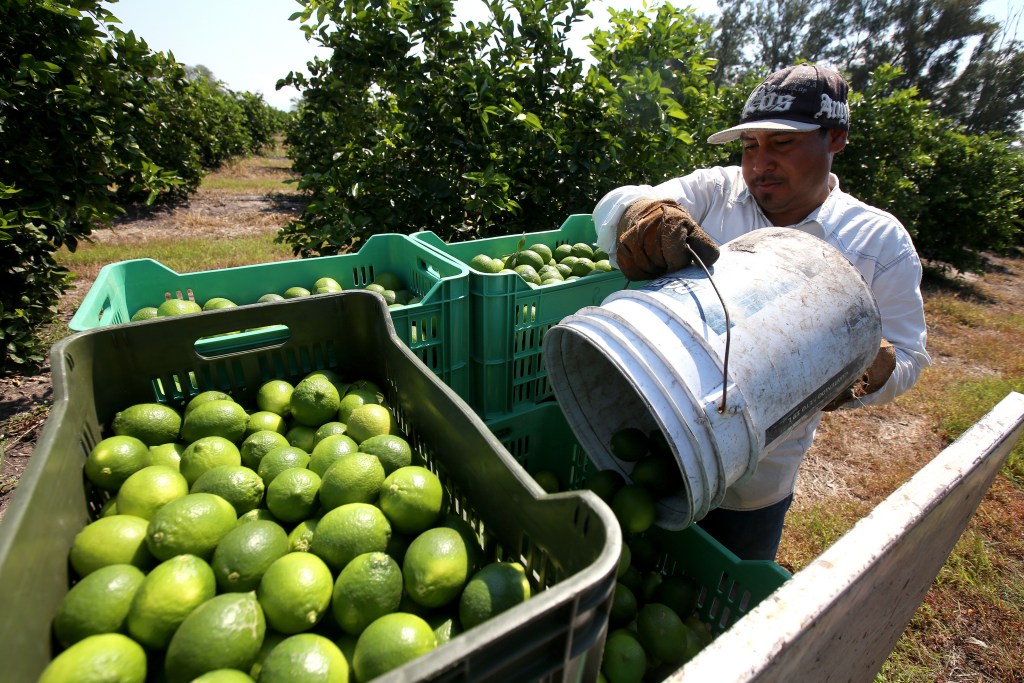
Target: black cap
[(798, 98)]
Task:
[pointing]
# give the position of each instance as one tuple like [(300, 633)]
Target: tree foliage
[(91, 120), (479, 129)]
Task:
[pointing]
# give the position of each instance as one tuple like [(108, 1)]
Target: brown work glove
[(873, 378), (652, 236)]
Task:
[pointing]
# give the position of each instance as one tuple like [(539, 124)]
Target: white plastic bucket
[(803, 326)]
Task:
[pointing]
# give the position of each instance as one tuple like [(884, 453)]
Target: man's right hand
[(653, 235)]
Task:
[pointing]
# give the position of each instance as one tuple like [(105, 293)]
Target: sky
[(250, 44)]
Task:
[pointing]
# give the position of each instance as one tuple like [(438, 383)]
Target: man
[(791, 127)]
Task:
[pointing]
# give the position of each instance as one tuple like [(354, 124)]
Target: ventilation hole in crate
[(723, 583), (744, 602), (714, 608), (734, 591), (723, 620), (69, 361)]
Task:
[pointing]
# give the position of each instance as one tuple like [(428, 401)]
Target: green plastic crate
[(540, 438), (436, 328), (510, 316), (569, 543)]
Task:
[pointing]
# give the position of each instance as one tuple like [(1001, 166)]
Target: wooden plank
[(839, 618)]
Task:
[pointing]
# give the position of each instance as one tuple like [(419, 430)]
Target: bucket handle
[(728, 325)]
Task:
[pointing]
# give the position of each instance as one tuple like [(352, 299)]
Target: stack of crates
[(435, 328), (568, 544), (510, 316)]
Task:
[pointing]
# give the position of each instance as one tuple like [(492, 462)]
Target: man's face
[(788, 172)]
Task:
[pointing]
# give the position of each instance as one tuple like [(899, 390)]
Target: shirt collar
[(822, 215)]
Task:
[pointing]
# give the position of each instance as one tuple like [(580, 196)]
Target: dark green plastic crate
[(570, 543), (540, 438), (436, 328), (510, 316)]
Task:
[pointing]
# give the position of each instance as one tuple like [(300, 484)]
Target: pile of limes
[(297, 539), (539, 264), (387, 284), (654, 627)]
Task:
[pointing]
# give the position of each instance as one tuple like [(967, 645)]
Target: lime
[(264, 420), (369, 587), (257, 515), (236, 484), (98, 659), (582, 250), (353, 478), (355, 397), (651, 582), (679, 593), (602, 265), (583, 267), (329, 450), (495, 588), (167, 454), (445, 626), (221, 417), (411, 498), (295, 592), (296, 292), (469, 537), (97, 604), (275, 396), (371, 419), (646, 552), (178, 307), (204, 397), (542, 250), (206, 453), (301, 535), (146, 491), (327, 283), (624, 606), (193, 525), (258, 444), (118, 539), (528, 257), (301, 436), (548, 481), (662, 633), (167, 595), (224, 632), (623, 659), (328, 429), (348, 531), (634, 507), (224, 676), (293, 495), (389, 642), (315, 401), (388, 280), (279, 459), (436, 567), (305, 658), (145, 313), (217, 303), (625, 560), (659, 475), (392, 450), (629, 444), (528, 273), (272, 296), (606, 483), (244, 554), (486, 264), (561, 251), (271, 640), (114, 459)]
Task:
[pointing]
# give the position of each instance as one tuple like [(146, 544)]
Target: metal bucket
[(802, 325)]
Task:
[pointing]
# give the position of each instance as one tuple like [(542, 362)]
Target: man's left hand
[(873, 379)]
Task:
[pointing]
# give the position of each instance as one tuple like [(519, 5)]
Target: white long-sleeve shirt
[(872, 240)]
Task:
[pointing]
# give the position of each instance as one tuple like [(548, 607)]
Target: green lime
[(275, 396), (293, 495), (629, 444), (98, 659), (244, 554), (606, 483), (114, 459), (492, 590), (296, 292), (542, 250), (167, 454), (369, 587), (151, 423), (146, 491), (548, 481), (217, 303), (272, 296), (662, 633), (349, 531), (145, 313), (225, 632), (389, 642), (205, 397), (192, 525), (178, 307), (97, 604), (679, 593), (168, 594), (257, 445), (353, 478), (301, 436), (623, 659), (220, 417), (354, 398), (315, 401), (624, 606), (635, 509), (257, 515), (328, 429), (659, 475), (236, 484), (295, 592), (305, 658), (411, 498), (301, 535), (206, 453), (392, 450), (368, 420), (329, 450), (264, 420), (279, 459), (582, 250), (224, 676), (118, 539), (436, 567)]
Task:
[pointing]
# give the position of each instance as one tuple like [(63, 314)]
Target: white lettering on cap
[(833, 110), (766, 99)]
